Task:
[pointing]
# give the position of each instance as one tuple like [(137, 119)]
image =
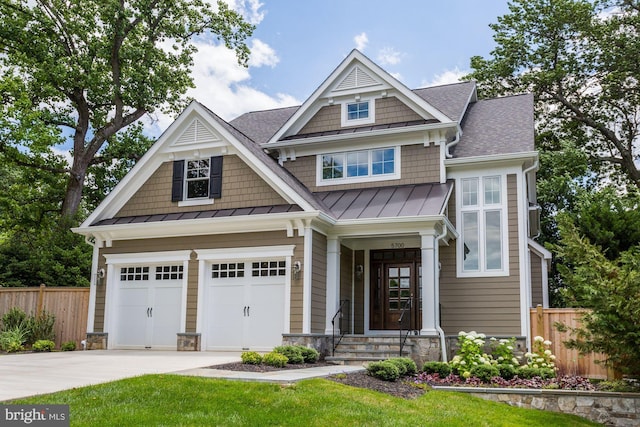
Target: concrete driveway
[(23, 375)]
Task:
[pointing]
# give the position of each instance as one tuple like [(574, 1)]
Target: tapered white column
[(333, 282), (429, 265)]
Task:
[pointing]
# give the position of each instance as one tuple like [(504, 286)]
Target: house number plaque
[(397, 245)]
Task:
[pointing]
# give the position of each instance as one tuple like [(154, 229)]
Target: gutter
[(449, 145)]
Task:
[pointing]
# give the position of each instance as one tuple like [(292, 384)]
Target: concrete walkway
[(23, 375)]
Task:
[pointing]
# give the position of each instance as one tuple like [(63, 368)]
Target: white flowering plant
[(540, 356), (502, 351), (470, 354)]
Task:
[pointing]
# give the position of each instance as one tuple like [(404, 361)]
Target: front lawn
[(172, 400)]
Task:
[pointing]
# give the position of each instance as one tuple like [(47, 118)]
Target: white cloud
[(446, 77), (262, 54), (361, 41), (250, 10), (389, 56)]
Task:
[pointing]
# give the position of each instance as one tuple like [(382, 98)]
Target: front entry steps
[(359, 350)]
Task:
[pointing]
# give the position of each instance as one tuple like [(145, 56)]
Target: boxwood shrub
[(275, 359), (310, 355), (251, 358), (384, 370), (405, 365), (292, 352), (43, 345), (485, 372), (441, 368)]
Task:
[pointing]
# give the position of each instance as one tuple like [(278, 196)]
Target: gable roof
[(345, 80), (497, 126), (452, 99)]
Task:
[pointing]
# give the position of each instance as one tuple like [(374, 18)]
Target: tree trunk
[(73, 194)]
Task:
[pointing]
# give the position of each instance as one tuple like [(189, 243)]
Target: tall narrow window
[(481, 222)]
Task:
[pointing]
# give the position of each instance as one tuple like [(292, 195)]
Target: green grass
[(172, 400)]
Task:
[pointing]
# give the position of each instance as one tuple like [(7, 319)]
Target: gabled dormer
[(351, 131)]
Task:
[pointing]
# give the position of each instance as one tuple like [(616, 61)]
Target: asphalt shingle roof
[(450, 99)]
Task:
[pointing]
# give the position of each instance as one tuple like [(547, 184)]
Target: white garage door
[(245, 305), (149, 306)]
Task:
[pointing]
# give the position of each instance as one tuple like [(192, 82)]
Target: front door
[(395, 288)]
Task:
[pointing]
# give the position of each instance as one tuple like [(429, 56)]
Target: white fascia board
[(318, 140), (147, 257), (143, 169), (539, 249), (390, 226), (355, 55), (253, 252), (514, 158), (196, 227)]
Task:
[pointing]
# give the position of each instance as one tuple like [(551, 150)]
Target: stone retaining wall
[(612, 409)]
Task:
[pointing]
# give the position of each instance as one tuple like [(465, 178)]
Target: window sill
[(195, 202)]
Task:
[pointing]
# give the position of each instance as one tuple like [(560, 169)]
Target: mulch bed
[(400, 388)]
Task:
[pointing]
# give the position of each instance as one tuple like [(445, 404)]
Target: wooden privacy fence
[(569, 361), (69, 305)]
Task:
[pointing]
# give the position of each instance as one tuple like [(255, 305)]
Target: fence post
[(539, 321), (40, 299)]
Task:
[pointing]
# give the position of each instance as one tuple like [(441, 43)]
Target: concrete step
[(385, 354)]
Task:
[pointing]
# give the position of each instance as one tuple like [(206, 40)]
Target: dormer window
[(359, 112)]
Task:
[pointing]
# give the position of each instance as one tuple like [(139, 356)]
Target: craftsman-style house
[(368, 203)]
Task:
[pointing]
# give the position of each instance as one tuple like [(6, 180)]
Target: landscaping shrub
[(68, 346), (441, 368), (470, 353), (309, 354), (13, 318), (275, 359), (405, 365), (529, 372), (251, 358), (41, 327), (12, 340), (507, 371), (384, 370), (43, 345), (484, 372), (502, 351), (292, 352), (541, 356)]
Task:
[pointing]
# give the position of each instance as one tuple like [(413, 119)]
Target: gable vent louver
[(196, 133), (355, 79)]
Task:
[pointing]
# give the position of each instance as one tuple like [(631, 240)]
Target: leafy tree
[(579, 58), (610, 288), (83, 71)]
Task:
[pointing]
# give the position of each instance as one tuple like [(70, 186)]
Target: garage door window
[(268, 268), (169, 272), (227, 270), (134, 273)]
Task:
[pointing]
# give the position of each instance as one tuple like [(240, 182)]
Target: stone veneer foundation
[(612, 409)]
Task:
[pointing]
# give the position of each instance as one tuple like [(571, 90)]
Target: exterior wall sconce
[(359, 271), (297, 268), (100, 277)]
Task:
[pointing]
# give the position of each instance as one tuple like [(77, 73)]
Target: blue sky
[(298, 43)]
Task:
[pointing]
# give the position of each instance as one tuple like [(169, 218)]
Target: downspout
[(449, 145), (527, 319), (443, 343)]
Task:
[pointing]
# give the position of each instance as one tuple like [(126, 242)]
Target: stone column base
[(188, 341), (97, 340)]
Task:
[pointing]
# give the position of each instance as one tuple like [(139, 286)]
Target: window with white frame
[(360, 112), (358, 166), (197, 181), (482, 213)]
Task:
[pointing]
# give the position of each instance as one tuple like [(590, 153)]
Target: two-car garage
[(242, 298)]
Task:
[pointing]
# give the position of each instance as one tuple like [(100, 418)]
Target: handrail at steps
[(339, 313), (406, 308)]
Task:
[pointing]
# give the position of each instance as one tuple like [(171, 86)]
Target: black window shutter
[(215, 178), (178, 181)]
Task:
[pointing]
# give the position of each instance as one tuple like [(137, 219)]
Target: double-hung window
[(358, 166), (197, 181), (482, 211)]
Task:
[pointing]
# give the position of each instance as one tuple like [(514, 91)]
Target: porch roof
[(387, 202)]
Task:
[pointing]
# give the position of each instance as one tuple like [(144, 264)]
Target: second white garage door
[(245, 305)]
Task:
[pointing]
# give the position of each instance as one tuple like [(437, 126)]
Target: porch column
[(333, 282), (429, 269)]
